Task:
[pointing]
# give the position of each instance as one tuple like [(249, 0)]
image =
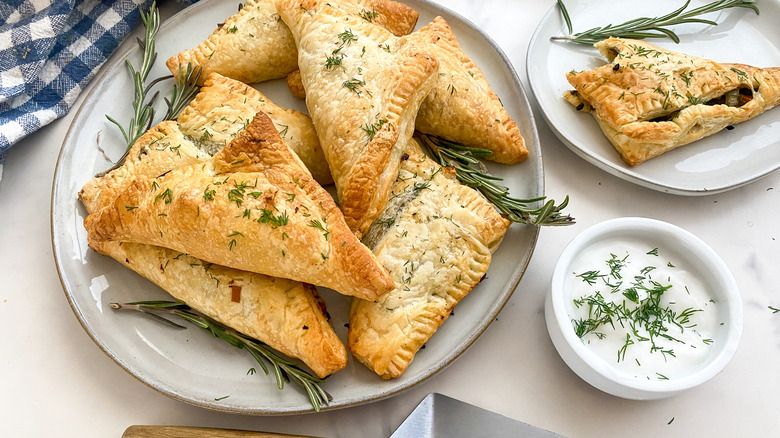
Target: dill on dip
[(640, 311)]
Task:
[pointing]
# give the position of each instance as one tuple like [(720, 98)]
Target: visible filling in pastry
[(649, 100)]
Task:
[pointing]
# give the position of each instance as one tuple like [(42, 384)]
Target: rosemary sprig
[(471, 172), (283, 369), (650, 27), (142, 112), (182, 92)]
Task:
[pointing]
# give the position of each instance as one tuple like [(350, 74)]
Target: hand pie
[(254, 207), (650, 100), (462, 107), (158, 150), (284, 314), (364, 87), (254, 45), (225, 106), (435, 238)]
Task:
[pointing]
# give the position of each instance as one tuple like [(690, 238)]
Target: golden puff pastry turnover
[(650, 100), (461, 107), (253, 207), (225, 106), (435, 238), (158, 150), (286, 315), (363, 90), (254, 45)]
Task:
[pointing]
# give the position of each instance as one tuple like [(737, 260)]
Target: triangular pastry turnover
[(461, 107), (435, 238), (286, 315), (254, 45), (253, 207), (364, 87), (224, 107), (649, 100), (157, 151)]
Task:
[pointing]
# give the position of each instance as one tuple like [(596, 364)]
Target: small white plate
[(192, 366), (714, 164)]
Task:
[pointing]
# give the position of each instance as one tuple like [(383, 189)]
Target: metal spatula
[(439, 416)]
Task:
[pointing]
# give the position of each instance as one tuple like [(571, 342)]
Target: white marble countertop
[(56, 382)]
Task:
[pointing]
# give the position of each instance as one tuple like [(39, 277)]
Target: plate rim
[(626, 174), (532, 139)]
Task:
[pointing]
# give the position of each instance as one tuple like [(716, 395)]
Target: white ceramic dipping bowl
[(700, 259)]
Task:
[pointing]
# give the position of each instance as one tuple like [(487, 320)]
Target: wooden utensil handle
[(198, 432)]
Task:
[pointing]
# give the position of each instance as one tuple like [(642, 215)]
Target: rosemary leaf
[(565, 14), (462, 159), (647, 27), (143, 112), (284, 369), (183, 91)]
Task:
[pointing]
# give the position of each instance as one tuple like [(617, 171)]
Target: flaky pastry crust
[(254, 45), (254, 207), (158, 150), (286, 315), (462, 107), (435, 238), (650, 100), (225, 106), (364, 87)]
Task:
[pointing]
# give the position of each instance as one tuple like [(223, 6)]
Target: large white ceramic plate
[(194, 367), (714, 164)]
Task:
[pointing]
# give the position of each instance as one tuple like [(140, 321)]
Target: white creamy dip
[(663, 319)]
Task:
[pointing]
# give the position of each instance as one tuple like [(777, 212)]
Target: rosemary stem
[(462, 158), (283, 369), (651, 27)]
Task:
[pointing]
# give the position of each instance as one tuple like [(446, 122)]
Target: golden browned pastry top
[(157, 151), (462, 107), (225, 106), (435, 238), (286, 315), (254, 45), (364, 87), (649, 100), (254, 207)]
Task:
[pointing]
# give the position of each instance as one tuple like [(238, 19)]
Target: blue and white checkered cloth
[(49, 50)]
